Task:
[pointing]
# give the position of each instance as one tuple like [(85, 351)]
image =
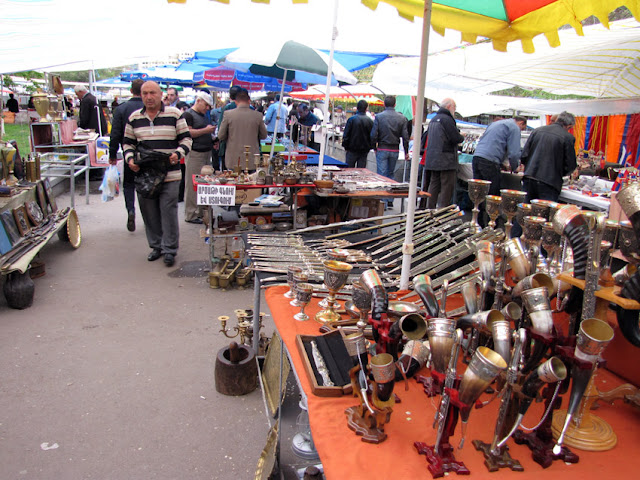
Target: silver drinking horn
[(512, 312), (484, 367), (442, 334), (379, 297), (536, 301), (516, 258), (533, 281), (501, 334), (485, 253), (413, 326), (551, 371), (422, 286), (470, 296), (480, 320), (592, 339)]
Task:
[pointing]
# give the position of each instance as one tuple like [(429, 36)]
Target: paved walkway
[(110, 374)]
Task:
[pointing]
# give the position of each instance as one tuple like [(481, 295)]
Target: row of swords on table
[(441, 238)]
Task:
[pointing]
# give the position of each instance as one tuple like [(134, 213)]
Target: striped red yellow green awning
[(505, 21), (502, 21)]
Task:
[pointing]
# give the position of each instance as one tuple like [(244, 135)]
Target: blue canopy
[(352, 61)]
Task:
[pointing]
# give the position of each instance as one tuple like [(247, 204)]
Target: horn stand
[(541, 441)]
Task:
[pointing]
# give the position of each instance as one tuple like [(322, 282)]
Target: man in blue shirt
[(499, 144), (272, 116), (499, 147)]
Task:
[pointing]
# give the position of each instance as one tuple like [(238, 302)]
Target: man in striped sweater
[(165, 130)]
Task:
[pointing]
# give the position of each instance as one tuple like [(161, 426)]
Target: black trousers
[(129, 188), (536, 189), (484, 169), (356, 159)]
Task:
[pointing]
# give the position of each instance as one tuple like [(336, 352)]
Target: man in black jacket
[(120, 117), (548, 155), (89, 111), (356, 138), (441, 159)]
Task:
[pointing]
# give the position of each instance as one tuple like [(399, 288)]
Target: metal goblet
[(493, 206), (336, 275), (510, 201), (301, 277), (523, 210), (541, 208), (291, 271), (551, 244), (361, 296), (478, 190), (304, 292), (532, 235)]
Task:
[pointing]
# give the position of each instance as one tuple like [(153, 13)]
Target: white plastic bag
[(110, 186)]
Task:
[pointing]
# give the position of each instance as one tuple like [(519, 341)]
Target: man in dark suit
[(89, 111), (120, 117)]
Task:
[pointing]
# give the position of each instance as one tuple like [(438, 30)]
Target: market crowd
[(165, 141)]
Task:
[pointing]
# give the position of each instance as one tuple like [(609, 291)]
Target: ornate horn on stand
[(593, 337), (484, 367), (551, 371)]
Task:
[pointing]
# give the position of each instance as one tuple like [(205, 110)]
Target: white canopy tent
[(603, 63), (58, 35)]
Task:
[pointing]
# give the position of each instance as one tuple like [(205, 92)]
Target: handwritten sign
[(222, 195)]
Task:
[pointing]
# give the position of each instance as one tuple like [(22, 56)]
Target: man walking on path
[(165, 131), (441, 160), (356, 138), (389, 127), (222, 149), (120, 117), (200, 154)]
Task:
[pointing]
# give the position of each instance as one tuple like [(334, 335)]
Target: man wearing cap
[(200, 154)]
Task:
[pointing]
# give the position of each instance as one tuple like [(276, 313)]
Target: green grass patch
[(19, 133)]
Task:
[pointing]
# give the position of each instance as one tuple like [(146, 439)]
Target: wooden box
[(334, 353)]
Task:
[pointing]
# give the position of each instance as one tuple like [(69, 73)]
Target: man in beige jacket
[(242, 126)]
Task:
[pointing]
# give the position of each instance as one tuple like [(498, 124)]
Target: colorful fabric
[(505, 21)]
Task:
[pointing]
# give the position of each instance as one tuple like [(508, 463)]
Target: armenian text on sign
[(222, 195)]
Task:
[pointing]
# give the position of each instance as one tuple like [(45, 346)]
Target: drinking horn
[(422, 286), (551, 371), (592, 339), (379, 297), (484, 367)]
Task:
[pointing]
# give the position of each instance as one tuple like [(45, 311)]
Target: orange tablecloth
[(345, 456)]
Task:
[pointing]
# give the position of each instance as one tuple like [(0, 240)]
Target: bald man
[(164, 130), (441, 159)]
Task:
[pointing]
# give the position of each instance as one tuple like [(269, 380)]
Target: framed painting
[(22, 220), (41, 196), (51, 199), (34, 212), (9, 223)]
